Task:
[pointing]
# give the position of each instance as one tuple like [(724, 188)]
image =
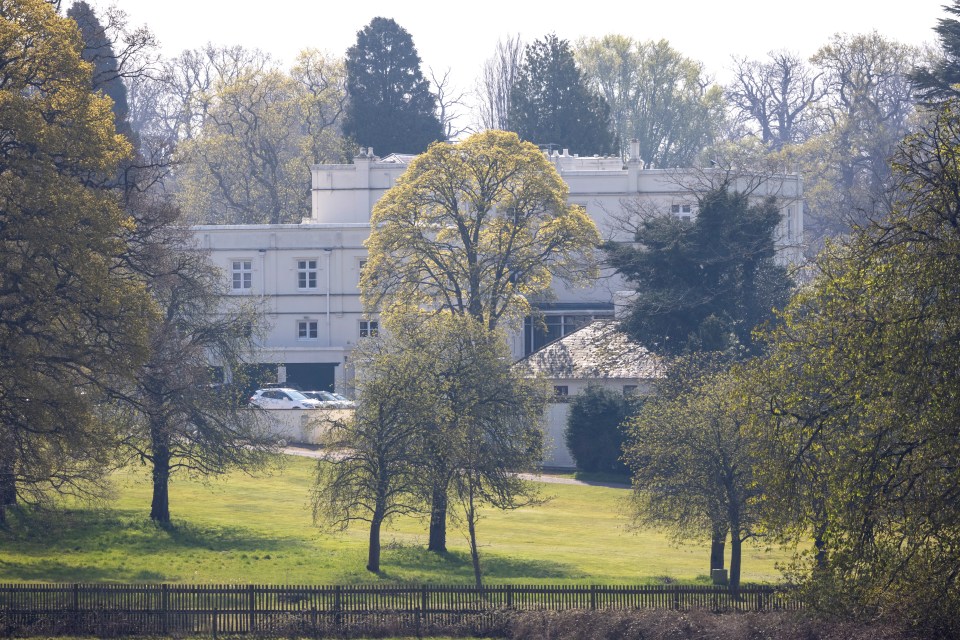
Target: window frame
[(304, 330), (304, 273), (242, 274)]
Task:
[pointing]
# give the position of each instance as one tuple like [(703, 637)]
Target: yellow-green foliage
[(476, 226)]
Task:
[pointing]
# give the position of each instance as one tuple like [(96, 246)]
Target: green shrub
[(593, 434)]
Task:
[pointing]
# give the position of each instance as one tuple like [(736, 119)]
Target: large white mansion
[(307, 274)]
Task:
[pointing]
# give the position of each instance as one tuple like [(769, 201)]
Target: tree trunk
[(735, 553), (438, 520), (474, 550), (373, 551), (160, 506), (8, 488), (717, 543)]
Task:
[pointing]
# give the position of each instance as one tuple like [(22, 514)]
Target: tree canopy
[(706, 283), (70, 316), (476, 227), (861, 387), (551, 104), (391, 108), (656, 96)]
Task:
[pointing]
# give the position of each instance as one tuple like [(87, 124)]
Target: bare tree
[(777, 97), (450, 101), (496, 82)]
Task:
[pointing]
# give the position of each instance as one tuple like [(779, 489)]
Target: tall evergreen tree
[(98, 51), (939, 82), (390, 105), (550, 103)]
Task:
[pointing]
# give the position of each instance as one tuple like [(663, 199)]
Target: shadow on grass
[(38, 533), (406, 563), (47, 570)]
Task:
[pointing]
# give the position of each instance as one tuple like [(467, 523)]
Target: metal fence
[(180, 609)]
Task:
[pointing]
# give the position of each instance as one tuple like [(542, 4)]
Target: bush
[(593, 432)]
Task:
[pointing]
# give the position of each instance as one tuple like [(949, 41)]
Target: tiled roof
[(597, 351)]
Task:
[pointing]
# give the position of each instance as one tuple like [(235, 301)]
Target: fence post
[(251, 607), (215, 617), (164, 607), (676, 597), (423, 606), (337, 620), (76, 609), (593, 597), (509, 596)]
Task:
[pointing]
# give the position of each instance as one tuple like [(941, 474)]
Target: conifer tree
[(390, 105)]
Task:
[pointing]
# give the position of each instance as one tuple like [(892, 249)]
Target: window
[(242, 271), (306, 274), (554, 327), (369, 328), (561, 391), (682, 211), (789, 223), (307, 330)]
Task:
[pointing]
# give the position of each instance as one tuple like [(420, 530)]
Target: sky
[(459, 36)]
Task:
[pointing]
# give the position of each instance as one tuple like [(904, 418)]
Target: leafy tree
[(476, 227), (861, 385), (551, 103), (939, 80), (391, 108), (868, 111), (691, 453), (431, 382), (177, 415), (704, 284), (261, 131), (246, 167), (70, 315), (656, 95), (375, 473), (594, 432)]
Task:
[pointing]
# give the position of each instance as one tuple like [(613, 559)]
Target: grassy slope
[(258, 530)]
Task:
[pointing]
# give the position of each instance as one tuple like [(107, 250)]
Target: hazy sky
[(462, 35)]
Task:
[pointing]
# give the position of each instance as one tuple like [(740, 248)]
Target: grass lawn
[(241, 529)]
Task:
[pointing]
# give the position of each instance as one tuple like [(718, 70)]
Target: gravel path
[(308, 452)]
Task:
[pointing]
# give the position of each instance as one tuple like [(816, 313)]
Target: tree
[(430, 382), (868, 109), (656, 96), (692, 458), (375, 472), (939, 80), (551, 104), (176, 414), (488, 425), (391, 108), (861, 385), (246, 166), (703, 284), (476, 227), (70, 315), (496, 83), (777, 98), (594, 434)]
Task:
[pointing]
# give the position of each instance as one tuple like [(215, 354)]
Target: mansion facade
[(306, 275)]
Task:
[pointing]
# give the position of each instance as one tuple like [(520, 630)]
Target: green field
[(242, 529)]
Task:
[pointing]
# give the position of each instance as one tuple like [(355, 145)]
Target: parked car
[(282, 398), (329, 400)]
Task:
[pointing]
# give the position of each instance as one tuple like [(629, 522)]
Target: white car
[(329, 400), (282, 399)]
